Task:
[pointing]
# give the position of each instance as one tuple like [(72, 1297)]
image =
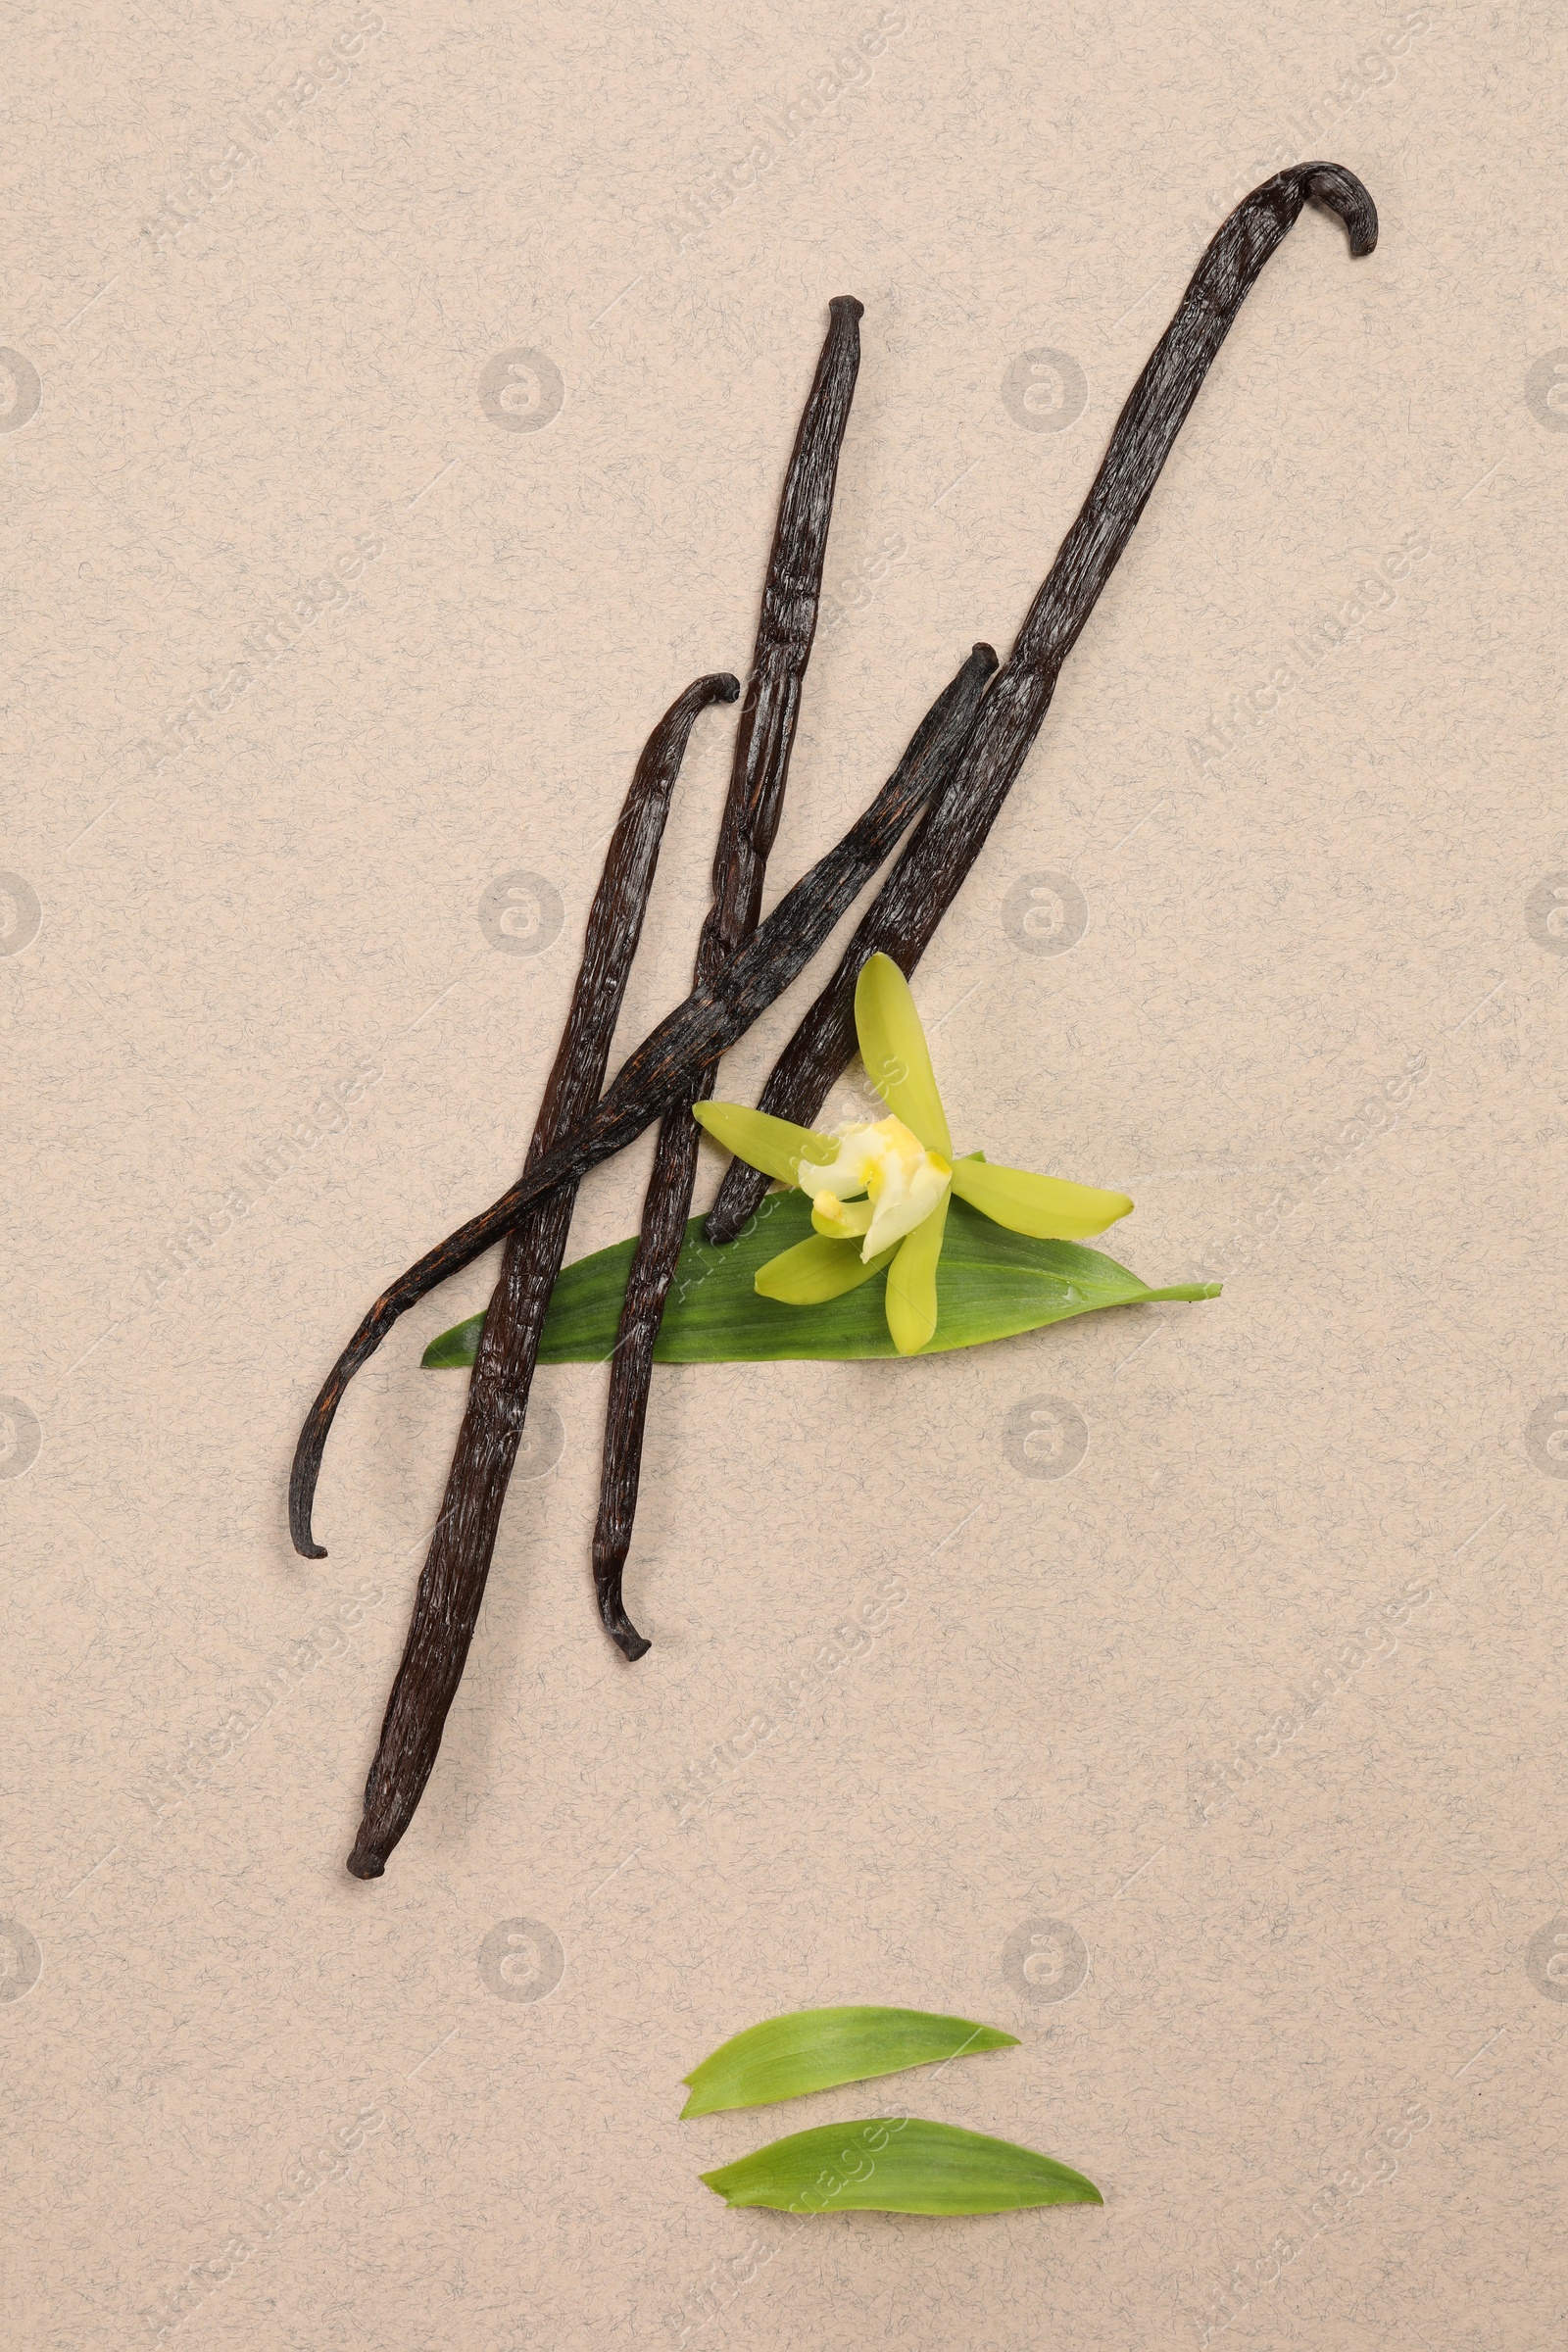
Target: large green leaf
[(990, 1285), (898, 2164)]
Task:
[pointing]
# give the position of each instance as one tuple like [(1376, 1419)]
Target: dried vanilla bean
[(903, 916), (667, 1065), (453, 1581), (785, 631)]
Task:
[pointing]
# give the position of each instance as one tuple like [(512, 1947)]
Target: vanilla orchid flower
[(879, 1190)]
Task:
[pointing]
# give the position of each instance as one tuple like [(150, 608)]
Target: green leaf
[(898, 2164), (812, 2049), (990, 1285)]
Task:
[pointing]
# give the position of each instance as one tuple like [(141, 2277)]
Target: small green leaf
[(991, 1283), (812, 2049), (457, 1347), (899, 2164)]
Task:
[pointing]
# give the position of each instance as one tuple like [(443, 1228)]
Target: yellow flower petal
[(813, 1271), (1047, 1207), (841, 1220), (775, 1145), (894, 1051), (911, 1299)]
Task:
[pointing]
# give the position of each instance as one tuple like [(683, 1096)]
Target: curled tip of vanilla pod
[(631, 1645), (1339, 191)]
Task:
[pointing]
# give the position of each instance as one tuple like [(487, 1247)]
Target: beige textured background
[(1224, 1763)]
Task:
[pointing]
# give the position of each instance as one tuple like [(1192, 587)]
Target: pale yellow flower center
[(904, 1181)]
